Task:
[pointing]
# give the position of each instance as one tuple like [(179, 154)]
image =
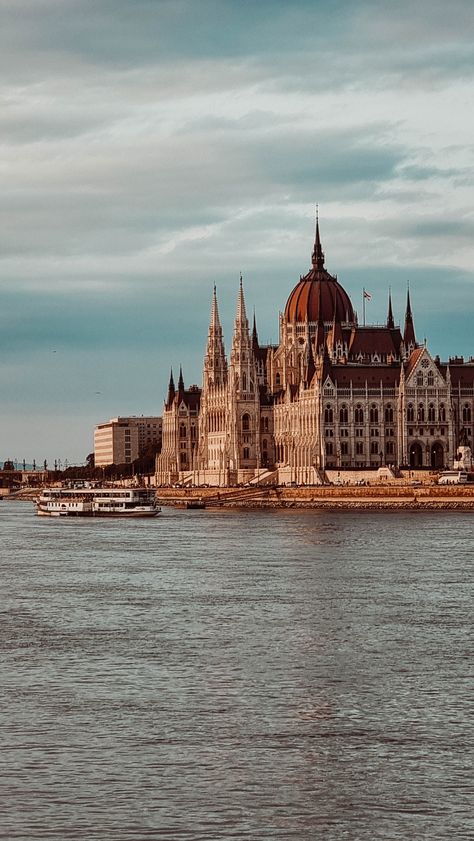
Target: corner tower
[(244, 401), (215, 362)]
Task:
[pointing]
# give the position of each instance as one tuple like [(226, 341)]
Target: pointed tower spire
[(171, 391), (390, 321), (180, 381), (215, 322), (319, 341), (309, 367), (254, 333), (241, 325), (241, 315), (215, 363), (335, 338), (241, 356), (317, 257), (409, 331)]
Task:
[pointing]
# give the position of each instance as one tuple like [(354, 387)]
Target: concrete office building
[(122, 440)]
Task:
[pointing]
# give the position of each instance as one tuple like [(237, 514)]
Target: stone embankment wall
[(375, 496)]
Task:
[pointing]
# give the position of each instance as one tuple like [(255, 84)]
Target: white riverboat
[(97, 502)]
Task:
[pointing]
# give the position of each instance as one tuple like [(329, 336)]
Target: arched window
[(359, 414), (277, 380), (419, 379), (389, 414), (246, 453), (328, 414), (421, 413), (343, 414), (430, 379), (245, 422), (466, 413), (410, 413), (390, 448), (182, 431), (442, 413), (431, 413), (244, 381), (329, 448), (374, 414)]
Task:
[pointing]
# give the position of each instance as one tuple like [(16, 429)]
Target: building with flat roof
[(122, 440)]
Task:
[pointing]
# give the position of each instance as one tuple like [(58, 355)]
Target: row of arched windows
[(420, 380), (418, 414), (358, 414), (374, 448)]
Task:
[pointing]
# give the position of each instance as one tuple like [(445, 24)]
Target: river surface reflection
[(224, 675)]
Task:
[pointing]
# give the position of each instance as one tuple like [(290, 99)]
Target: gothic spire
[(215, 322), (317, 257), (215, 363), (310, 367), (241, 356), (335, 336), (319, 341), (241, 326), (171, 390), (390, 321), (241, 315), (254, 333), (409, 332), (180, 381)]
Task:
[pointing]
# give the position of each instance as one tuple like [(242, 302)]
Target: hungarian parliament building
[(332, 395)]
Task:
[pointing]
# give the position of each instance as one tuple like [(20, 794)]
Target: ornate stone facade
[(331, 395)]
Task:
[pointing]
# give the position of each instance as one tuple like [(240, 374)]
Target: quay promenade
[(460, 497)]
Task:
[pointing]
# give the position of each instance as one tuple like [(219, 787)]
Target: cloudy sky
[(149, 149)]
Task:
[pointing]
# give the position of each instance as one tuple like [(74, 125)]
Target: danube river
[(223, 675)]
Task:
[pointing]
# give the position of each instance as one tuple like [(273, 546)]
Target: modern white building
[(122, 440)]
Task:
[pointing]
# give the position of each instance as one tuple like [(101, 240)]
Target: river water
[(226, 675)]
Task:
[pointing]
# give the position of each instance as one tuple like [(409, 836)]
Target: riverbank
[(403, 497), (373, 497)]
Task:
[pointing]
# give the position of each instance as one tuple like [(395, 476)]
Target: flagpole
[(363, 303)]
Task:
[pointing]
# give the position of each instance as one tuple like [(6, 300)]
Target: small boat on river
[(195, 503), (97, 502)]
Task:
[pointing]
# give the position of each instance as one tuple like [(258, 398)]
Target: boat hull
[(102, 502), (123, 515)]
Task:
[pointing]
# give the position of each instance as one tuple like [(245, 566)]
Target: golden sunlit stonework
[(332, 395)]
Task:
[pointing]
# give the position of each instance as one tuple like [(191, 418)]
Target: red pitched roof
[(359, 375), (413, 359), (462, 375), (370, 340)]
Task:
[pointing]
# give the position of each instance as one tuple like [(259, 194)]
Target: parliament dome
[(318, 296)]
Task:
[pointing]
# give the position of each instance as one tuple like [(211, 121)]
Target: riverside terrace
[(397, 495)]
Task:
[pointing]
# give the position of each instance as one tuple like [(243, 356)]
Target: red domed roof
[(318, 296)]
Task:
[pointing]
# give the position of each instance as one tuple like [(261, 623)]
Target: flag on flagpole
[(367, 295)]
